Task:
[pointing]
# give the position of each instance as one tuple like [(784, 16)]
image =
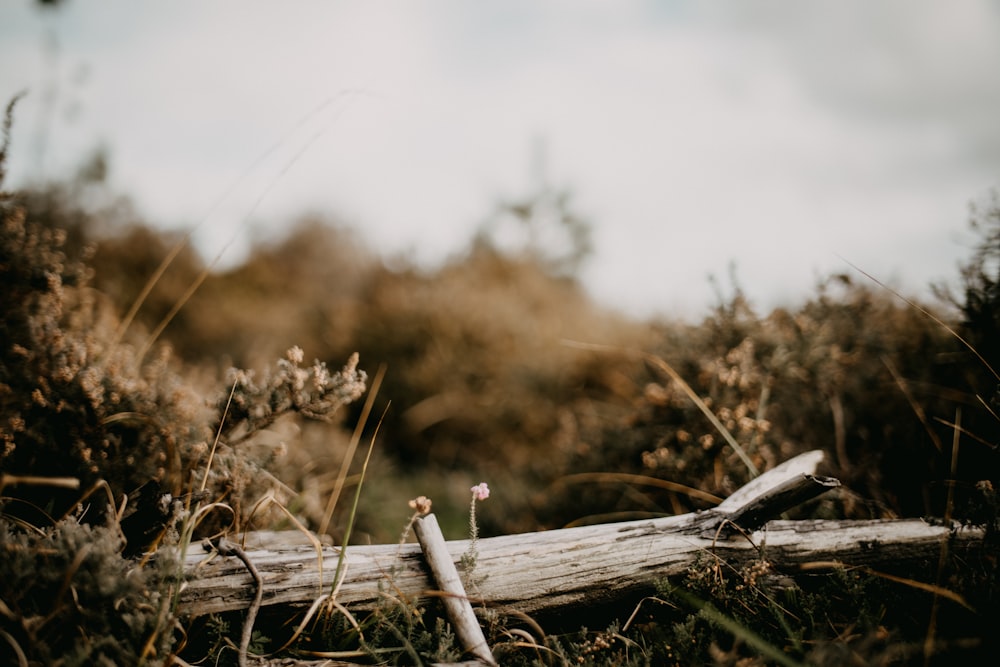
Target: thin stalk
[(663, 366), (341, 561), (151, 339), (926, 313), (351, 447)]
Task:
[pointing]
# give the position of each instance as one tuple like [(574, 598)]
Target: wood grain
[(588, 565)]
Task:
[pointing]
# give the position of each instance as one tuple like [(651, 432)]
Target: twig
[(456, 603), (61, 482), (227, 548)]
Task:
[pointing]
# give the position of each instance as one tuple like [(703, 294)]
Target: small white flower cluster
[(421, 505), (314, 392), (480, 491)]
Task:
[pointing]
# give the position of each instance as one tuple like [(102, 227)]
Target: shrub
[(71, 599), (73, 403), (97, 445)]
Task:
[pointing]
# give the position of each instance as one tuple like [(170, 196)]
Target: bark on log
[(588, 565)]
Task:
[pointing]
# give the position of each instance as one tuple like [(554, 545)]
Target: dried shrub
[(479, 368), (853, 371), (78, 404), (71, 599), (73, 404), (299, 289)]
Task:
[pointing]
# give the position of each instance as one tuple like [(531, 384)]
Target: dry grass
[(483, 385)]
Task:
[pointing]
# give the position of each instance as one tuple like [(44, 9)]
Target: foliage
[(479, 373), (69, 598), (540, 228), (73, 404), (103, 453), (499, 367), (980, 300), (77, 404), (822, 376), (979, 324), (717, 615)]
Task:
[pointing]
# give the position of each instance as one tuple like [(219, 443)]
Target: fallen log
[(586, 566)]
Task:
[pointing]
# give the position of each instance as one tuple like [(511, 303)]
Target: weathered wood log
[(589, 565)]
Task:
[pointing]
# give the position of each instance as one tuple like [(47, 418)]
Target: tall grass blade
[(741, 632), (151, 339), (667, 369), (351, 447), (186, 238), (926, 313), (638, 480), (337, 576)]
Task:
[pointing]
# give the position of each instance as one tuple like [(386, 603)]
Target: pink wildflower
[(480, 491)]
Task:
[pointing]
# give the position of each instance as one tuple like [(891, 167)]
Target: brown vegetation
[(498, 367)]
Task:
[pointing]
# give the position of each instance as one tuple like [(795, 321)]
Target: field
[(135, 424)]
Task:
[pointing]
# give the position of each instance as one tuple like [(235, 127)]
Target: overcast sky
[(776, 135)]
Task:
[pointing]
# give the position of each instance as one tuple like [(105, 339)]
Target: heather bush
[(853, 371), (497, 366), (74, 414), (73, 404), (106, 454), (71, 599), (78, 403)]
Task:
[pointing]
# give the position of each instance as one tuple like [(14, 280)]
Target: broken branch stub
[(456, 602)]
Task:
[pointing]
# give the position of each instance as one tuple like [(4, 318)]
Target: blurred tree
[(540, 227)]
